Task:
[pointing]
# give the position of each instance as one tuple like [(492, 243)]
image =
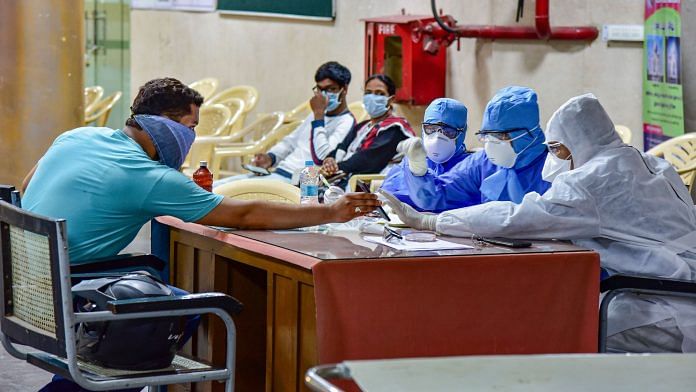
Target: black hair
[(164, 97), (391, 86), (334, 71)]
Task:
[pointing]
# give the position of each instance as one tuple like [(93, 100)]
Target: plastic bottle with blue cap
[(309, 184)]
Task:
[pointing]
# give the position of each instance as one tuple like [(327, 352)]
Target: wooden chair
[(37, 310), (206, 87), (259, 189), (100, 111)]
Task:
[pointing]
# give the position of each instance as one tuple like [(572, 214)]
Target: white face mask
[(439, 147), (553, 166), (501, 153)]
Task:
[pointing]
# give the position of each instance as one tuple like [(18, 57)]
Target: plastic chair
[(618, 284), (374, 180), (205, 87), (237, 109), (92, 95), (212, 122), (241, 150), (681, 153), (299, 113), (263, 125), (248, 94), (259, 189), (101, 110), (624, 133), (37, 310), (358, 110)]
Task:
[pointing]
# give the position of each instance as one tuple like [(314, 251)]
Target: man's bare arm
[(269, 215)]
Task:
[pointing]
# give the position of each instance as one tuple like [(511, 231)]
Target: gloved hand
[(408, 215), (414, 151)]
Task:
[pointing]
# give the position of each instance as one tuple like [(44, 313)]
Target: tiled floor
[(19, 376)]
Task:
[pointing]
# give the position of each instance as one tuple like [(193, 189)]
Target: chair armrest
[(642, 283), (238, 151), (179, 302), (119, 262), (687, 169), (214, 140)]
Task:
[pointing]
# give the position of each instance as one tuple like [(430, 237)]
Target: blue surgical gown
[(455, 184)]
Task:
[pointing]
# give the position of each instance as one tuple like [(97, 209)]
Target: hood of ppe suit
[(448, 111), (583, 126), (511, 107)]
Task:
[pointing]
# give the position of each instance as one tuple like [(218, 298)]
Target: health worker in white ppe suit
[(632, 208)]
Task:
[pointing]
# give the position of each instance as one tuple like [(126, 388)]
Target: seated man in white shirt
[(319, 133)]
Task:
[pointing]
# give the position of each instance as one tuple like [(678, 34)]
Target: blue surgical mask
[(172, 139), (333, 101), (375, 105)]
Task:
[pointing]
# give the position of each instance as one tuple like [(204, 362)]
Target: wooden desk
[(270, 272)]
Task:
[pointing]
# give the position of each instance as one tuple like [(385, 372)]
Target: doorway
[(107, 53)]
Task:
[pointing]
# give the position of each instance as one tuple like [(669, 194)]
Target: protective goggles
[(444, 129), (330, 89), (499, 136)]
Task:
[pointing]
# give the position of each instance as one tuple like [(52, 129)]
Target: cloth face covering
[(553, 166), (172, 139), (375, 105)]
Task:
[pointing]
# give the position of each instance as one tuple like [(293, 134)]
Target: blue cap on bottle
[(308, 163)]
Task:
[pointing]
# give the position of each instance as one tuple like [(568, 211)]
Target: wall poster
[(663, 105)]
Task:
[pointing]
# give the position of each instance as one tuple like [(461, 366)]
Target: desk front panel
[(276, 331), (270, 272)]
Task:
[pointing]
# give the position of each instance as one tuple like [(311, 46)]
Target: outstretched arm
[(268, 215)]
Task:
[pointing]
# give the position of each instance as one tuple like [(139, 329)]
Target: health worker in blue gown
[(508, 167)]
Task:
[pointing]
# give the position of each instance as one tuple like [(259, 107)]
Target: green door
[(107, 52)]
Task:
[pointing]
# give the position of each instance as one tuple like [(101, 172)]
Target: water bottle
[(203, 177), (309, 184)]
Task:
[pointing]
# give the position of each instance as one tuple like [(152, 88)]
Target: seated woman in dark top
[(371, 144)]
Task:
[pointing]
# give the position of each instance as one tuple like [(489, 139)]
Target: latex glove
[(409, 215), (413, 149)]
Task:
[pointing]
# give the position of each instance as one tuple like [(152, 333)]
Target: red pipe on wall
[(542, 29)]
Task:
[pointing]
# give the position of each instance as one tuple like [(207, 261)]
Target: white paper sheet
[(411, 245)]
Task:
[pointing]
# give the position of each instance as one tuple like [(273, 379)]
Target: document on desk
[(438, 244)]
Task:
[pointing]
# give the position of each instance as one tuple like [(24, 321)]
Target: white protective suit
[(630, 207)]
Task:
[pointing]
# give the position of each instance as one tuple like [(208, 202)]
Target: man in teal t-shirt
[(107, 183), (109, 190)]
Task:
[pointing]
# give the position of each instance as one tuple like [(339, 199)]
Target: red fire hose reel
[(407, 47)]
